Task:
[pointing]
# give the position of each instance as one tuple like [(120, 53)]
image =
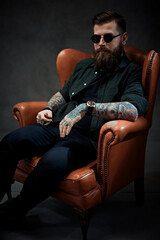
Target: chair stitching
[(105, 158), (148, 74)]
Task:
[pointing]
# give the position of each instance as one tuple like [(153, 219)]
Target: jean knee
[(55, 161)]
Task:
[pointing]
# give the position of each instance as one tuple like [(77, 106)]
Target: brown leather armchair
[(121, 148)]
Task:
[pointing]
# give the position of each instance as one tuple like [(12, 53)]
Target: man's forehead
[(106, 27)]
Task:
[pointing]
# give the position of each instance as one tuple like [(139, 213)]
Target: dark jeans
[(59, 156)]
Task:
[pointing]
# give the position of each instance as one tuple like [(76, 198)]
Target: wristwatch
[(90, 104)]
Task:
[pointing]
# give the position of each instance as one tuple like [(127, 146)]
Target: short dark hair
[(109, 16)]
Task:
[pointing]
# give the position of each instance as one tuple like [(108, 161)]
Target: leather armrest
[(25, 112), (124, 130), (118, 141)]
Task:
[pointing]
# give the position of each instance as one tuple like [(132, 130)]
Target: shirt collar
[(124, 61)]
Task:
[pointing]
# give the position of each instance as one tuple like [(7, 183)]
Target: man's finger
[(46, 119), (68, 129), (62, 131), (48, 116)]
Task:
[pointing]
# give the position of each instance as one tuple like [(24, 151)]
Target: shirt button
[(72, 93), (85, 84), (95, 72)]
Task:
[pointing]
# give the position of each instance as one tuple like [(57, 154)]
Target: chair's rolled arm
[(124, 130), (26, 112), (113, 133)]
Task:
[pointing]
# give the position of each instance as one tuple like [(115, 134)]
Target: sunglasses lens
[(108, 38), (96, 38)]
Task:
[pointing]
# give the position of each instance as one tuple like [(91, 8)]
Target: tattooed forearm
[(55, 102), (118, 110), (72, 118)]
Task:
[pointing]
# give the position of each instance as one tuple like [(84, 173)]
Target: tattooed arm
[(44, 117), (117, 110), (108, 111), (71, 118), (55, 101)]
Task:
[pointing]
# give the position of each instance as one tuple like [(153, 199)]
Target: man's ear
[(124, 38)]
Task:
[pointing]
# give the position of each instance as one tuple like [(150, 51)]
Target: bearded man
[(105, 87)]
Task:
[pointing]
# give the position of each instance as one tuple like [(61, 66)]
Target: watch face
[(91, 103)]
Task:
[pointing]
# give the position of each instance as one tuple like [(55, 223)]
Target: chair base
[(84, 217)]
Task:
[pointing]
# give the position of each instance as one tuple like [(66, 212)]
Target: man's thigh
[(30, 141), (80, 151), (62, 159)]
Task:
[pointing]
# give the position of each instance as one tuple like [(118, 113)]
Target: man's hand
[(44, 117), (71, 118)]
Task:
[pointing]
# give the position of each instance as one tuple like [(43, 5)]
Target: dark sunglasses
[(108, 37)]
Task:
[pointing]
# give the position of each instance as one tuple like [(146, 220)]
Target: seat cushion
[(79, 181), (80, 189)]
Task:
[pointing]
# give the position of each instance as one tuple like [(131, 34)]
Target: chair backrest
[(150, 74), (68, 58)]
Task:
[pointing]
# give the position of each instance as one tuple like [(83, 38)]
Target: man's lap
[(36, 139)]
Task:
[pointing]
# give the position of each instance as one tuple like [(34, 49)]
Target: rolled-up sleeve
[(133, 91), (65, 91)]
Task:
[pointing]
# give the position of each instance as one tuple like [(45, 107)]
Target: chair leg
[(139, 190), (84, 217)]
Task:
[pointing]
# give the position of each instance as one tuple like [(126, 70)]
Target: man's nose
[(101, 42)]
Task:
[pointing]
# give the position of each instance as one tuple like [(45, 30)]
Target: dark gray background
[(32, 32)]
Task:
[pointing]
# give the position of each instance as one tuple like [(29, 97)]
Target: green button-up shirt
[(124, 84)]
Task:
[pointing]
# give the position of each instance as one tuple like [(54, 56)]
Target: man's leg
[(68, 154), (29, 141)]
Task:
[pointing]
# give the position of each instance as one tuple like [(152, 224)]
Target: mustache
[(102, 49)]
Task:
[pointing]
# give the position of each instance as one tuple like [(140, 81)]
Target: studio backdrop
[(33, 32)]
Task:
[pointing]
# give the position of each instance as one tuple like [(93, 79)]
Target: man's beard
[(107, 60)]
